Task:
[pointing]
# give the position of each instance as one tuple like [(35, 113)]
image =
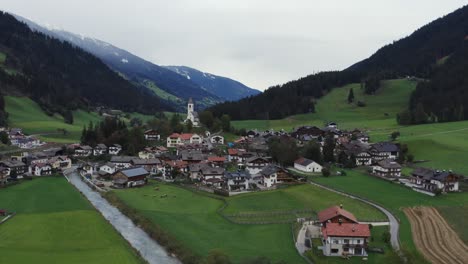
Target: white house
[(269, 175), (122, 162), (433, 180), (237, 181), (387, 168), (115, 149), (108, 168), (176, 139), (152, 134), (100, 149), (217, 139), (256, 164), (212, 176), (345, 239), (83, 151), (307, 165), (41, 169)]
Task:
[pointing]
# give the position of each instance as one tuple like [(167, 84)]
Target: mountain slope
[(421, 54), (61, 77), (223, 87)]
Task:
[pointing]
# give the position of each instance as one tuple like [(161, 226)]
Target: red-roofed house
[(175, 139), (216, 160), (345, 239), (336, 214)]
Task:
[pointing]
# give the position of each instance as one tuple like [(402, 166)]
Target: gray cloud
[(258, 42)]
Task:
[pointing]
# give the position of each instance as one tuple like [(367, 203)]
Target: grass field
[(2, 58), (55, 224), (379, 113), (192, 218), (26, 114), (395, 197)]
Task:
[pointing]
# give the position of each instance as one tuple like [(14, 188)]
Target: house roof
[(385, 147), (101, 146), (192, 155), (134, 172), (251, 159), (109, 164), (346, 230), (333, 211), (117, 146), (122, 159), (212, 171), (429, 174), (186, 136), (242, 174), (389, 164), (145, 161), (174, 135), (85, 147), (232, 152), (304, 161), (151, 131), (216, 159), (12, 163), (270, 169)]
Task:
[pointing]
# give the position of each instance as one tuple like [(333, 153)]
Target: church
[(192, 115)]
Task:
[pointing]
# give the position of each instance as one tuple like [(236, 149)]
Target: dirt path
[(434, 238)]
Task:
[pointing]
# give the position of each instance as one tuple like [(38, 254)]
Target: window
[(335, 241), (359, 241), (334, 251), (346, 249), (346, 241)]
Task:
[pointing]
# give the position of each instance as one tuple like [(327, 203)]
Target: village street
[(151, 251)]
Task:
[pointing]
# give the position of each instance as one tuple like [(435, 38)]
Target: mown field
[(395, 197), (55, 224), (193, 219), (379, 113), (26, 114)]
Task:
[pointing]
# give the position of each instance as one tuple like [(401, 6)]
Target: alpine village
[(113, 159)]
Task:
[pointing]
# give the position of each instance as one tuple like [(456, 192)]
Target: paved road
[(394, 224), (151, 251)]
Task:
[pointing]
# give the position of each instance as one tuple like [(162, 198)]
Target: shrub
[(326, 172)]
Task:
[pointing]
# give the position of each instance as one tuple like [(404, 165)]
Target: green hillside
[(57, 226), (26, 114), (380, 110)]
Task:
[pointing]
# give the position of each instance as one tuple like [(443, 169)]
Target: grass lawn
[(395, 197), (2, 58), (379, 113), (55, 224), (299, 197), (192, 218), (456, 216), (376, 241), (26, 114)]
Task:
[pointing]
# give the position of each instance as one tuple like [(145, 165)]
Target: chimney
[(354, 229), (341, 206), (340, 221)]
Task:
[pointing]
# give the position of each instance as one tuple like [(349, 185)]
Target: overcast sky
[(258, 42)]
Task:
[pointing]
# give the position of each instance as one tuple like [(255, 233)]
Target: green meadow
[(55, 224), (395, 197), (26, 114), (193, 219)]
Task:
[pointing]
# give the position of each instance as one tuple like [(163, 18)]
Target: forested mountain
[(61, 77), (170, 85), (421, 54), (225, 88)]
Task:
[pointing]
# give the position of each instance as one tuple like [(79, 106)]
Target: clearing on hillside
[(434, 238)]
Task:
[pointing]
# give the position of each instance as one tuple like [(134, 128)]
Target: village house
[(87, 170), (384, 150), (132, 177), (152, 152), (387, 168), (153, 166), (115, 149), (100, 149), (192, 156), (237, 181), (212, 176), (60, 163), (83, 151), (194, 170), (272, 175), (17, 168), (40, 169), (217, 161), (307, 165), (152, 134), (108, 168), (255, 164), (434, 180), (176, 139), (122, 162), (170, 167), (217, 139), (358, 150), (342, 234), (4, 174)]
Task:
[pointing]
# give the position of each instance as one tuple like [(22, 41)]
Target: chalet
[(387, 168), (60, 163), (132, 177), (269, 176), (194, 170), (191, 147), (122, 162), (360, 136), (358, 150), (307, 165), (115, 149), (152, 134), (108, 168), (17, 168), (100, 149), (83, 151), (217, 161), (237, 181), (307, 133), (40, 169), (87, 170), (345, 239), (217, 139), (152, 152), (176, 139), (255, 164), (384, 150), (192, 156), (212, 176), (336, 214), (153, 166), (174, 165), (433, 180)]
